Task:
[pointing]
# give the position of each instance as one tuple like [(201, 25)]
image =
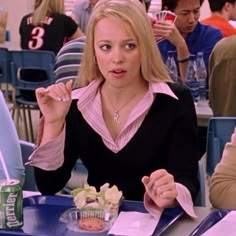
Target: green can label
[(11, 205)]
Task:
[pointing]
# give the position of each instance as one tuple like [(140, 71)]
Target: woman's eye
[(105, 47), (130, 46)]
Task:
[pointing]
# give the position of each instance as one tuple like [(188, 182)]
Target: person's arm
[(169, 31), (222, 188), (74, 17), (183, 156), (52, 181), (78, 33), (54, 103), (183, 151), (73, 30), (9, 144)]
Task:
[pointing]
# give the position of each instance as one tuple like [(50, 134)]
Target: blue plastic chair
[(220, 130), (27, 149), (5, 75), (29, 71)]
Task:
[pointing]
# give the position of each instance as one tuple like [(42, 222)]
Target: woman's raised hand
[(54, 101)]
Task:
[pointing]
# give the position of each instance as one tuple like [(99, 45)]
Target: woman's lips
[(118, 73)]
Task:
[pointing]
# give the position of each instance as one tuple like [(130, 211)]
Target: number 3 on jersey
[(37, 38)]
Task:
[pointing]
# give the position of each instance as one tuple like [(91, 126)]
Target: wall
[(16, 10), (205, 10)]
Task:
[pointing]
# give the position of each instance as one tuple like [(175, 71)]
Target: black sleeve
[(51, 182), (70, 26), (184, 147)]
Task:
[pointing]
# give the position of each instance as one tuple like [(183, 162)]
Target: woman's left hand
[(161, 188)]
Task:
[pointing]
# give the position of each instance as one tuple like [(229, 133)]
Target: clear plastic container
[(72, 218)]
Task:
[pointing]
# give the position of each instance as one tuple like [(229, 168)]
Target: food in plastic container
[(95, 211)]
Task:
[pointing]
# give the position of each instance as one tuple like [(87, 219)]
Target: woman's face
[(117, 52)]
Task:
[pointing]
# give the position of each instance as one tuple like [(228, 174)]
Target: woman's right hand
[(54, 101)]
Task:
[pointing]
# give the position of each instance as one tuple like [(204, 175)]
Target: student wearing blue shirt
[(9, 145), (187, 35)]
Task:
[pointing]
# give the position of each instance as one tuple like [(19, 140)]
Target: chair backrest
[(201, 197), (5, 75), (27, 149), (32, 69), (220, 130)]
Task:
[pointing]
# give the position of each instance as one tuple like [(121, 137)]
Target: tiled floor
[(82, 176)]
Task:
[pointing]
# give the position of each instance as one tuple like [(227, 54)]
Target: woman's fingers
[(161, 184), (59, 92)]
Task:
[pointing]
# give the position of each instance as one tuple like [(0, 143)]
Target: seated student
[(126, 115), (68, 59), (222, 186), (9, 145), (47, 28), (222, 11), (187, 35), (222, 80)]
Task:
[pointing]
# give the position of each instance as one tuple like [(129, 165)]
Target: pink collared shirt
[(89, 104)]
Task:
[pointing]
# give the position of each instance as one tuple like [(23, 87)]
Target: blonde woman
[(47, 28), (127, 122)]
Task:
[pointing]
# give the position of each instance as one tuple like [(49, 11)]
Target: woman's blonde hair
[(44, 8), (37, 3), (133, 13)]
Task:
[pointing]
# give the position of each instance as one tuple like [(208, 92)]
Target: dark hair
[(172, 4), (146, 3), (217, 5)]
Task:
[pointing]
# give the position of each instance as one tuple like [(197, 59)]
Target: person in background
[(222, 11), (126, 114), (187, 35), (222, 81), (9, 145), (82, 11), (68, 60), (47, 28), (222, 187)]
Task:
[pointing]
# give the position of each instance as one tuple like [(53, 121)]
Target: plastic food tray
[(209, 221), (42, 213)]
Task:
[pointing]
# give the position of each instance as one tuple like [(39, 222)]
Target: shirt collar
[(162, 87), (87, 93)]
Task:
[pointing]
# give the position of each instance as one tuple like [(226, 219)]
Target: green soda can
[(11, 204)]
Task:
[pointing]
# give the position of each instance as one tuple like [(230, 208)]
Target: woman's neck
[(121, 95)]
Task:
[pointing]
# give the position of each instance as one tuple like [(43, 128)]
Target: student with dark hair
[(221, 12), (186, 35)]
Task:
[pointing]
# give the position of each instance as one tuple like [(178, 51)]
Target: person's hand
[(167, 30), (54, 101), (161, 188)]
